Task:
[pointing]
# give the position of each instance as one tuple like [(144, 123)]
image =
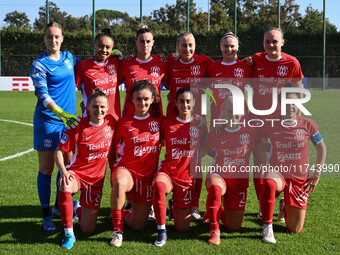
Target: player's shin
[(159, 202), (268, 200), (213, 205), (66, 210)]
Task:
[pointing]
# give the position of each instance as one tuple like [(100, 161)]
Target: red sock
[(66, 208), (117, 220), (258, 184), (78, 212), (159, 202), (213, 205), (267, 200), (197, 191)]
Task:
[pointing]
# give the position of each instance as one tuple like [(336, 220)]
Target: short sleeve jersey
[(54, 80), (290, 146), (91, 75), (235, 73), (182, 140), (182, 73), (232, 150), (91, 145), (140, 145), (269, 74), (152, 69)]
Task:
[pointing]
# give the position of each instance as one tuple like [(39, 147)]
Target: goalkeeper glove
[(70, 120), (117, 53)]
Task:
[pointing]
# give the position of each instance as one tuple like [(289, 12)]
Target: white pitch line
[(20, 153)]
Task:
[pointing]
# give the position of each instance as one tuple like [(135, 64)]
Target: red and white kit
[(235, 73), (268, 74), (180, 75), (91, 145), (135, 69), (139, 153), (90, 75)]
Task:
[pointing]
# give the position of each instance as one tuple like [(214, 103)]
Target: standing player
[(183, 67), (139, 152), (229, 70), (144, 66), (52, 74), (91, 142), (182, 138), (100, 72), (232, 147), (289, 150), (271, 69)]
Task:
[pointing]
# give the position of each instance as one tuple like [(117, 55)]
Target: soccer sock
[(78, 212), (44, 192), (57, 194), (197, 191), (160, 227), (159, 202), (258, 184), (117, 220), (268, 200), (213, 205), (68, 231), (66, 208)]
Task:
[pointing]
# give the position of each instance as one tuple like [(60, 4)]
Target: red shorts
[(182, 197), (294, 195), (236, 195), (90, 195), (141, 192)]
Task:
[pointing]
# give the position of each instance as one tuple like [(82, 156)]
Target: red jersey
[(235, 73), (182, 140), (268, 73), (140, 147), (232, 150), (152, 69), (91, 144), (90, 75), (290, 146), (180, 75)]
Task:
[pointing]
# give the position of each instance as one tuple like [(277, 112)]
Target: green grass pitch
[(20, 213)]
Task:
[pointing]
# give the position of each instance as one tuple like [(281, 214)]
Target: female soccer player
[(289, 150), (91, 142), (229, 70), (139, 135), (52, 74), (101, 72), (144, 66), (232, 147), (182, 138), (271, 69), (184, 66)]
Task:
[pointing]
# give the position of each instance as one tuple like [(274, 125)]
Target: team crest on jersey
[(64, 139), (48, 143), (111, 69), (153, 126), (155, 71), (194, 132), (238, 72), (299, 134), (107, 131), (282, 70), (195, 70), (245, 139), (68, 64)]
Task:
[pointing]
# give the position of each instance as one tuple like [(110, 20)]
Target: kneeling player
[(289, 142), (232, 147), (91, 141)]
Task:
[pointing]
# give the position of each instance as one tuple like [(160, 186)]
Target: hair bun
[(107, 31), (143, 26)]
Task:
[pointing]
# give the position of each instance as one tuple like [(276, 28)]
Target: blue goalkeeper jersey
[(54, 80)]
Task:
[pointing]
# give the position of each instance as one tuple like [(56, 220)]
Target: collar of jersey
[(273, 59), (289, 123), (232, 130), (101, 64), (141, 118), (186, 63), (183, 121), (228, 64), (96, 125), (144, 61)]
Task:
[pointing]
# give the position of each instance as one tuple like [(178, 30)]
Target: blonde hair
[(229, 35), (182, 34), (275, 29), (143, 29)]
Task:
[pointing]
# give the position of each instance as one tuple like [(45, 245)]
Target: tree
[(17, 20)]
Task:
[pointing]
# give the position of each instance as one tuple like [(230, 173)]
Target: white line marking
[(20, 153)]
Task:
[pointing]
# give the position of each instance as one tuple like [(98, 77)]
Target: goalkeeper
[(52, 74)]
